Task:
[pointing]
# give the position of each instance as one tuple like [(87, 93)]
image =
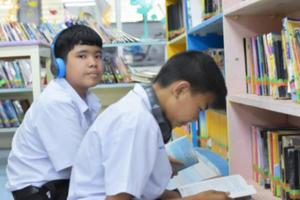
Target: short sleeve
[(58, 126), (129, 164)]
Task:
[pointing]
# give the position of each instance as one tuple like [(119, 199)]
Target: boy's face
[(184, 106), (84, 67)]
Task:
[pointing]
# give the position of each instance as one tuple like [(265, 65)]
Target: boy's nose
[(92, 61)]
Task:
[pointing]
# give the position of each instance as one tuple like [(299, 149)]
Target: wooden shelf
[(41, 43), (212, 25), (268, 103), (141, 43), (181, 39), (114, 85), (263, 7), (8, 130), (15, 90), (262, 194)]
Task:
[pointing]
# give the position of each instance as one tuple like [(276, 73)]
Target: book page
[(195, 173), (234, 184)]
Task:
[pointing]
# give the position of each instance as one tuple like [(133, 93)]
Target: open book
[(234, 184)]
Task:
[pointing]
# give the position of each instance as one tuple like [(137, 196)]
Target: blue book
[(11, 113), (182, 150)]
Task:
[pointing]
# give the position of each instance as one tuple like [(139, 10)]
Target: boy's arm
[(121, 196), (208, 195)]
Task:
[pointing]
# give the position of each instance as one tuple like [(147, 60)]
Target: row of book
[(175, 20), (12, 112), (115, 70), (272, 62), (212, 132), (18, 31), (209, 132), (265, 70), (276, 160), (18, 73), (15, 74), (200, 10)]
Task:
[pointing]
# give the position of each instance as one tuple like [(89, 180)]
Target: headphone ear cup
[(61, 68)]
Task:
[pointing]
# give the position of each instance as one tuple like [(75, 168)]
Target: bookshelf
[(243, 19), (35, 51), (201, 35)]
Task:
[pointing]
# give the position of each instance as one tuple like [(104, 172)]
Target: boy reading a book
[(123, 154), (44, 146)]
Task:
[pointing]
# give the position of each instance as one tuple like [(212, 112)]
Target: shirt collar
[(139, 90), (91, 102)]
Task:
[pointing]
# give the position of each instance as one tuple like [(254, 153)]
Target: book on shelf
[(272, 60), (275, 160), (15, 74), (115, 70), (144, 74), (45, 32), (12, 112), (265, 67), (175, 20), (290, 35)]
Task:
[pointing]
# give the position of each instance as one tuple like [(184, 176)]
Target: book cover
[(182, 150)]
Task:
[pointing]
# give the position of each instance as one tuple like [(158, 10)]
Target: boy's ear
[(180, 87)]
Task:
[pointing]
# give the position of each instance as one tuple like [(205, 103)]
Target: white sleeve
[(58, 126), (129, 161)]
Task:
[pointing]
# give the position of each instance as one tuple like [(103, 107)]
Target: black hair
[(75, 35), (200, 70)]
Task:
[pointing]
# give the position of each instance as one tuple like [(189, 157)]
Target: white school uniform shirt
[(123, 152), (45, 145)]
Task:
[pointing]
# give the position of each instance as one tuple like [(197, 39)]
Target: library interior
[(251, 144)]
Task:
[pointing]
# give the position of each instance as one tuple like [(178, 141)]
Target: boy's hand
[(175, 165), (212, 195)]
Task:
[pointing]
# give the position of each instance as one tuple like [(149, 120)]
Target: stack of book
[(143, 74)]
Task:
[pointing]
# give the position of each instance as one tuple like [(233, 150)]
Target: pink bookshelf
[(246, 18)]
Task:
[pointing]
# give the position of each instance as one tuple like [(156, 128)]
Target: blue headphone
[(163, 122), (58, 67)]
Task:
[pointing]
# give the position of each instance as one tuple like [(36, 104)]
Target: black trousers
[(53, 190)]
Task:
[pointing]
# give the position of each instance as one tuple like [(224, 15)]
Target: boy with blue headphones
[(123, 156), (44, 146)]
